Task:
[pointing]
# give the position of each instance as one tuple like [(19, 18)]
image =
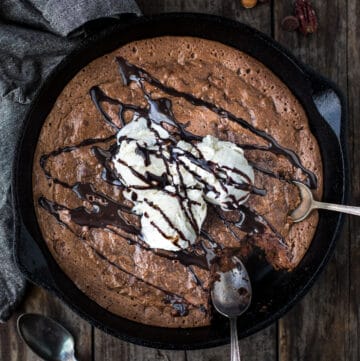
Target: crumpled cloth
[(34, 36)]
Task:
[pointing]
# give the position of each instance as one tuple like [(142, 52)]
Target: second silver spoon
[(46, 337), (308, 204), (231, 296)]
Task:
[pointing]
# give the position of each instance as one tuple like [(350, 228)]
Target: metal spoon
[(231, 296), (46, 337), (308, 204)]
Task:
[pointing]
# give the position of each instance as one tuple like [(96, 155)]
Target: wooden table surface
[(325, 324)]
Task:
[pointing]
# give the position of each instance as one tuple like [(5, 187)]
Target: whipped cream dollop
[(170, 181)]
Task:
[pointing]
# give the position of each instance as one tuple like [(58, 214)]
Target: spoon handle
[(337, 208), (235, 351)]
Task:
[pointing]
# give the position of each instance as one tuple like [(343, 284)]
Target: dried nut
[(307, 16), (248, 4), (290, 23)]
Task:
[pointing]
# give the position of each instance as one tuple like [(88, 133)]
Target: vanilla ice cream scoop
[(221, 168), (140, 155), (169, 220), (171, 181)]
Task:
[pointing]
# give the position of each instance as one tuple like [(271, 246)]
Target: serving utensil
[(46, 337), (308, 204), (231, 296)]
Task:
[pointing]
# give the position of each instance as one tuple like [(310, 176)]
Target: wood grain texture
[(107, 347), (325, 324), (259, 17), (258, 347), (40, 301), (353, 52), (318, 327)]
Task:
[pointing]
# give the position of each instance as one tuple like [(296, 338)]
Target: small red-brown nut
[(290, 23), (307, 16), (248, 4)]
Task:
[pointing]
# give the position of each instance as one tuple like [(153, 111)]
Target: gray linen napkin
[(34, 36)]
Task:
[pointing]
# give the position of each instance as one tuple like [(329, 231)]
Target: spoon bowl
[(231, 294), (305, 207), (46, 337)]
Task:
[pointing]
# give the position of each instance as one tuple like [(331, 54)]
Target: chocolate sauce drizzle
[(130, 72), (177, 301), (105, 211)]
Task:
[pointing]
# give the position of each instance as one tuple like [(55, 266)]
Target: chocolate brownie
[(207, 88)]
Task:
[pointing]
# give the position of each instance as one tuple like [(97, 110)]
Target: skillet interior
[(274, 292)]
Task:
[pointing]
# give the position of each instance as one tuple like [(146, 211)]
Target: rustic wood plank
[(353, 347), (37, 300), (325, 50), (258, 17), (261, 346), (317, 328), (107, 347)]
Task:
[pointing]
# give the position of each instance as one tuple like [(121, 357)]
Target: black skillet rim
[(232, 26)]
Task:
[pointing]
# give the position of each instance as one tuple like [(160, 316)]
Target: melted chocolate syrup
[(104, 156), (44, 158), (177, 301), (131, 72), (100, 216)]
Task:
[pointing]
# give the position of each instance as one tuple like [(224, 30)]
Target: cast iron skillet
[(274, 292)]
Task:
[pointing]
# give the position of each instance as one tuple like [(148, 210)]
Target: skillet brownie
[(179, 94)]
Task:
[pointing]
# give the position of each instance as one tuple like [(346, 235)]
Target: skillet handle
[(332, 106), (329, 102)]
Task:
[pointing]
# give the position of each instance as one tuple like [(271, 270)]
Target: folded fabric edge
[(60, 14)]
